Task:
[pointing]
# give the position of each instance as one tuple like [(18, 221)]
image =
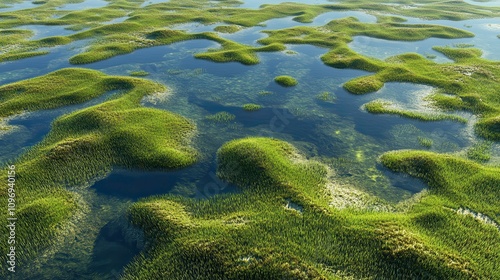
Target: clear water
[(43, 31), (255, 4), (27, 4), (488, 3), (151, 2), (87, 4), (340, 131)]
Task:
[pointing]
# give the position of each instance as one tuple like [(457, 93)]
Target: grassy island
[(85, 145)]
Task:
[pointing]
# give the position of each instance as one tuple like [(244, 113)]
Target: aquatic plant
[(227, 28), (221, 117), (140, 73), (383, 107), (480, 152), (251, 107), (425, 142), (326, 96), (286, 81)]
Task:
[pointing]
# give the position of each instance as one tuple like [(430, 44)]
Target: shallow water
[(87, 4), (43, 31), (27, 4), (255, 4)]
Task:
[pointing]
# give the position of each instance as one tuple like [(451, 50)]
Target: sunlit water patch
[(58, 58), (382, 49), (255, 4), (27, 4), (485, 3), (43, 31), (87, 4), (485, 31)]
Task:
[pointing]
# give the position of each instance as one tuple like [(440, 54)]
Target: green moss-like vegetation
[(227, 28), (286, 81), (383, 107), (326, 96), (140, 73), (363, 85), (221, 117), (280, 225), (425, 142), (251, 107), (57, 89), (85, 145), (480, 152)]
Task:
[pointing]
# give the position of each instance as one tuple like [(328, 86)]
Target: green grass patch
[(221, 117), (286, 81), (383, 107), (251, 107), (140, 73), (85, 145), (280, 225), (227, 28)]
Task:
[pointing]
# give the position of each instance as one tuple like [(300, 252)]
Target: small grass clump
[(425, 142), (221, 117), (251, 107), (363, 85), (480, 152), (326, 96), (227, 28), (383, 107), (286, 81), (57, 89), (140, 73)]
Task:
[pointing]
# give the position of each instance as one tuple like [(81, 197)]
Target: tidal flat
[(240, 139)]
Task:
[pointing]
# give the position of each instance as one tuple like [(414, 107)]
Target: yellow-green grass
[(140, 73), (384, 107), (286, 81), (85, 145), (480, 152), (281, 227), (221, 117), (56, 89), (227, 28)]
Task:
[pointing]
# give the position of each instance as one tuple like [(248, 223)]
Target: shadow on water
[(115, 246), (198, 181)]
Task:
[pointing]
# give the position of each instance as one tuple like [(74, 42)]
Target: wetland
[(251, 139)]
